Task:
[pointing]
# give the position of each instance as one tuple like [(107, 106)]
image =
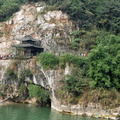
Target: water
[(26, 112)]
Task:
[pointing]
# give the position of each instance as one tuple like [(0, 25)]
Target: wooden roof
[(26, 38), (27, 45)]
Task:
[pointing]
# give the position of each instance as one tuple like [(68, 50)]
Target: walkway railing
[(5, 57)]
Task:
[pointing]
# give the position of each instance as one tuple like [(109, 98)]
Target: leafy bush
[(88, 14), (77, 61), (76, 33), (38, 92), (25, 73), (75, 82), (69, 58), (103, 96), (48, 60), (12, 75), (7, 8), (74, 45), (23, 91)]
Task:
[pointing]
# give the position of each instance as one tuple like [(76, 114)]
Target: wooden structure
[(28, 46)]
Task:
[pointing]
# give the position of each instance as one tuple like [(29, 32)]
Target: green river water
[(27, 112)]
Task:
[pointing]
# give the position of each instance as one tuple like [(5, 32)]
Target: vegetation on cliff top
[(102, 64), (88, 14), (98, 71)]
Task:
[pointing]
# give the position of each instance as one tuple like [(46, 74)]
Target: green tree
[(75, 82), (38, 92), (108, 15), (104, 63), (7, 8), (48, 60)]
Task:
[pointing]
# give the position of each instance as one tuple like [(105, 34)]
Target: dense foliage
[(105, 62), (92, 13), (48, 60), (39, 93), (75, 83), (7, 8), (88, 14), (77, 61)]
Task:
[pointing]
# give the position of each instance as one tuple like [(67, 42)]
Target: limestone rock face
[(52, 28), (50, 79), (3, 66)]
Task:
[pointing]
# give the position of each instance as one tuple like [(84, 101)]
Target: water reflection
[(26, 112)]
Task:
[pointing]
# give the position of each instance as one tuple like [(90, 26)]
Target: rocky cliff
[(50, 79), (53, 29)]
